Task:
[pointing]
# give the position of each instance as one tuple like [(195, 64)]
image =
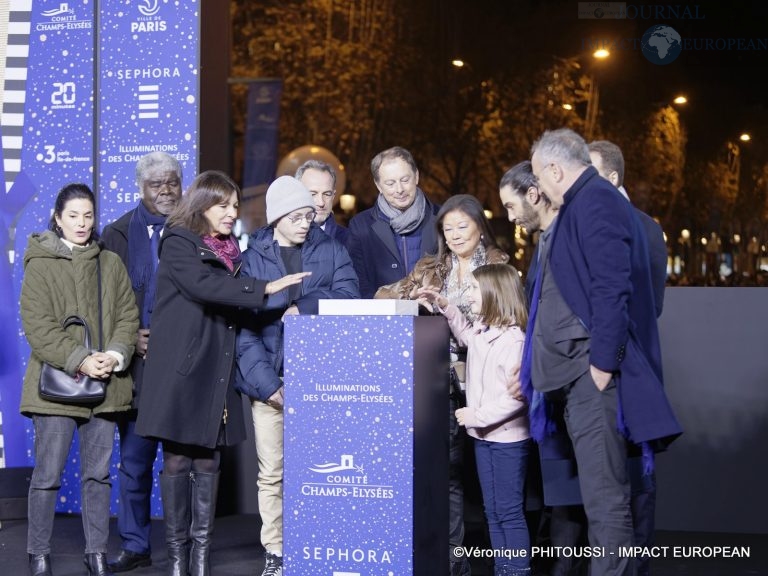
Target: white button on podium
[(376, 307)]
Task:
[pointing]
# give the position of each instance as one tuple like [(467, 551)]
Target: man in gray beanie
[(285, 195), (290, 243)]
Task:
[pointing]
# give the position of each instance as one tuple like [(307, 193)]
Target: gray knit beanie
[(285, 195)]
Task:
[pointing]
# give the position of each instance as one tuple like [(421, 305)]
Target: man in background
[(562, 522), (320, 179), (609, 162)]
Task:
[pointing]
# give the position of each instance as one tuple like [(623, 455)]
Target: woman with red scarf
[(188, 401)]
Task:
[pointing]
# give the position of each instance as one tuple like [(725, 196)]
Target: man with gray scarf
[(387, 240)]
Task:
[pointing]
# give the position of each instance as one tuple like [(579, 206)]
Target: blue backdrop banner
[(89, 87), (48, 126), (148, 93), (261, 131)]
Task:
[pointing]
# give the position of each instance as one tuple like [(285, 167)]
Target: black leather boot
[(40, 565), (175, 490), (204, 490), (96, 563)]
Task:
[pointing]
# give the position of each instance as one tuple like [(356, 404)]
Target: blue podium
[(366, 446)]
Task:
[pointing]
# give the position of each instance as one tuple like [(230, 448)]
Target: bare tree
[(336, 60)]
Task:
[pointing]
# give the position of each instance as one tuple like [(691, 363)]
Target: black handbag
[(58, 386)]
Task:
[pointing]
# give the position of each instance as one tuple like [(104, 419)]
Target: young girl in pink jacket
[(497, 422)]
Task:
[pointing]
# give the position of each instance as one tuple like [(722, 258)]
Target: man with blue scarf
[(594, 338), (135, 238)]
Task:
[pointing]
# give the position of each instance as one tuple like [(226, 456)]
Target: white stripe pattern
[(19, 22)]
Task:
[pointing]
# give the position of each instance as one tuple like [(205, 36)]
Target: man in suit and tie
[(608, 159), (135, 238)]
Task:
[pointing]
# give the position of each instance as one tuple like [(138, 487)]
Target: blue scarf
[(142, 263)]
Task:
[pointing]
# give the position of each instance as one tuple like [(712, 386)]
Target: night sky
[(724, 87)]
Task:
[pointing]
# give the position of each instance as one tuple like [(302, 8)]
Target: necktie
[(154, 242), (149, 293)]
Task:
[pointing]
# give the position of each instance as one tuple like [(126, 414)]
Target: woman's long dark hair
[(470, 206), (208, 189), (72, 192)]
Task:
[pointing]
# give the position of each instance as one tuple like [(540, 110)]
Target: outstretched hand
[(432, 296), (286, 281)]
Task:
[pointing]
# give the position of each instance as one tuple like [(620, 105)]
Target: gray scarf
[(407, 221)]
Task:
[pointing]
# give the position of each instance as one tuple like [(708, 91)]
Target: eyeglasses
[(296, 219)]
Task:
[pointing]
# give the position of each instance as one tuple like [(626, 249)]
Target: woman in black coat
[(188, 400)]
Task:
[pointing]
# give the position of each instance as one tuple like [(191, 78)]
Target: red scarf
[(226, 249)]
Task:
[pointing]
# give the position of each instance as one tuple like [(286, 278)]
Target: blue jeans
[(137, 456), (53, 437), (502, 468)]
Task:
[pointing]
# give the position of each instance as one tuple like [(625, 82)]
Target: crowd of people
[(563, 366)]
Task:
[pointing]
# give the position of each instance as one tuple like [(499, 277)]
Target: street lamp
[(593, 98), (586, 89), (680, 100)]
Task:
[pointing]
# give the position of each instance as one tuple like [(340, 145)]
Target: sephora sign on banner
[(88, 88), (147, 93)]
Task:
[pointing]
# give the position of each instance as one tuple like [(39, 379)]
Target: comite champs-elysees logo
[(62, 9), (61, 18), (344, 479)]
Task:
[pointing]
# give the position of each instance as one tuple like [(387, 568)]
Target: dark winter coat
[(187, 394), (260, 344), (599, 260), (336, 231), (59, 282), (374, 251), (115, 239)]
